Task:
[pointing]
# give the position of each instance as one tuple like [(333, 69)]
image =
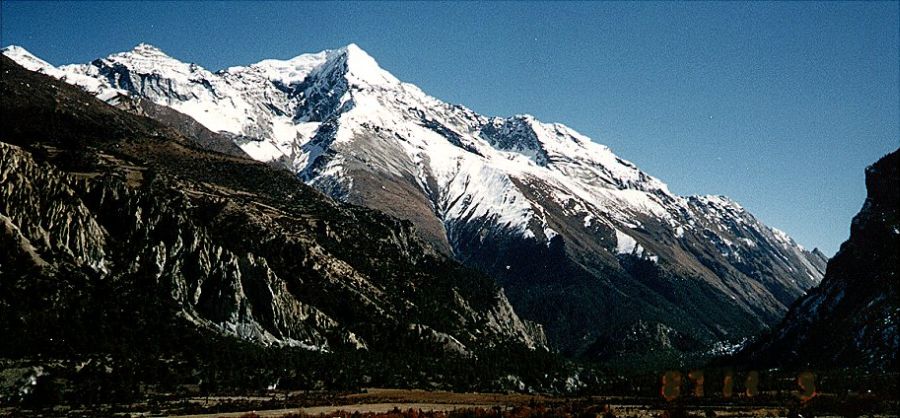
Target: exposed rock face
[(851, 318), (93, 197), (583, 241), (222, 142)]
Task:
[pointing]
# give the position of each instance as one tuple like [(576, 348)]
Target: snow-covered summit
[(26, 59), (286, 72), (493, 191), (303, 111), (148, 50), (33, 63), (361, 67), (311, 112), (350, 61), (146, 58)]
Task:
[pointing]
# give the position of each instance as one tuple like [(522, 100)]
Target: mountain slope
[(118, 232), (851, 318), (583, 241)]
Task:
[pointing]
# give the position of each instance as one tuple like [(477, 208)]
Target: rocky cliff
[(851, 319)]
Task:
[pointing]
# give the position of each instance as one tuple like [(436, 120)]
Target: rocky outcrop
[(851, 319)]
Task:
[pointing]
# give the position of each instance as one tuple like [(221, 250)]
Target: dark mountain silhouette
[(850, 320)]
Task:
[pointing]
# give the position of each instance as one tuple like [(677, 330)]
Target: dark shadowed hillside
[(850, 320)]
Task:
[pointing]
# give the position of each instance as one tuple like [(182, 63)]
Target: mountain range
[(602, 255), (132, 254)]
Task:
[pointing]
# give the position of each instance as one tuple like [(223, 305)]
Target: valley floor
[(403, 403)]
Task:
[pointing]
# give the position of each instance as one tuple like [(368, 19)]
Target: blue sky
[(778, 105)]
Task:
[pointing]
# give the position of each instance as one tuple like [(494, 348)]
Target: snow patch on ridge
[(625, 244)]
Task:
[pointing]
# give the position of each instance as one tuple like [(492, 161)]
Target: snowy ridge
[(299, 110), (29, 61), (278, 106), (484, 188)]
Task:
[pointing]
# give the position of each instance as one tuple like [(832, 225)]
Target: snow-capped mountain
[(123, 240), (583, 241)]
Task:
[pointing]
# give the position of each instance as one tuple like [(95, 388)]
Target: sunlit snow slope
[(584, 242)]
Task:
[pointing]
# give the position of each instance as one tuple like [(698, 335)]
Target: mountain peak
[(353, 48), (145, 52), (25, 58), (147, 49), (350, 62), (361, 67), (146, 58), (14, 49)]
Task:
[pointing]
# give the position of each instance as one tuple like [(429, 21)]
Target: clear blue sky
[(778, 105)]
